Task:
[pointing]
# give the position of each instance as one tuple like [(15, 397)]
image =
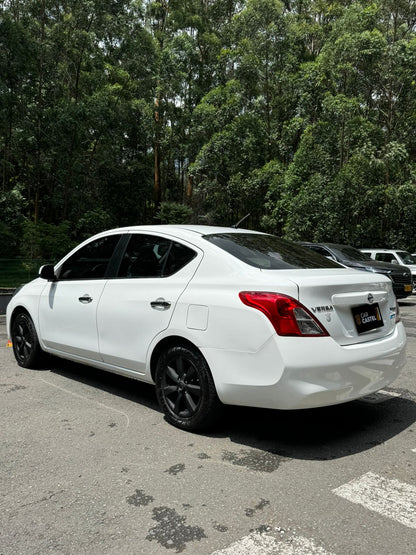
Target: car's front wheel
[(26, 348), (185, 389)]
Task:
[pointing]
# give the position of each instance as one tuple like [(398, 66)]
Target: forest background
[(118, 112)]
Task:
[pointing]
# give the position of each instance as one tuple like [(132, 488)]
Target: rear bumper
[(299, 373)]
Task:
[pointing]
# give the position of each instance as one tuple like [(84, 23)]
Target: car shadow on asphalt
[(323, 433), (311, 434), (127, 388)]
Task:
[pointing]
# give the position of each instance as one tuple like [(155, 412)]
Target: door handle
[(85, 299), (160, 304)]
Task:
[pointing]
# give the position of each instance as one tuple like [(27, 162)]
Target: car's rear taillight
[(287, 315)]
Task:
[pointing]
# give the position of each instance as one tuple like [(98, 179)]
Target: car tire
[(26, 347), (185, 389)]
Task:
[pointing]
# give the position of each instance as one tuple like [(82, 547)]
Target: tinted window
[(91, 261), (386, 257), (178, 257), (268, 252), (152, 256), (406, 257), (345, 252), (320, 250)]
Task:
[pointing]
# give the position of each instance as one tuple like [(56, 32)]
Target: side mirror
[(47, 272)]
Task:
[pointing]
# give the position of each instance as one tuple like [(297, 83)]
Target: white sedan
[(213, 316)]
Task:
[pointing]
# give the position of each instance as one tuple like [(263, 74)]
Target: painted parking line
[(379, 396), (258, 543), (390, 498)]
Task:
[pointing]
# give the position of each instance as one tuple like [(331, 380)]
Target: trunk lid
[(353, 306)]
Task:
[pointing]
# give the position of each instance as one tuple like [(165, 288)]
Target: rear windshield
[(269, 252)]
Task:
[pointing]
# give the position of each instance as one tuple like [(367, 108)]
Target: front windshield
[(268, 252), (406, 257), (345, 252)]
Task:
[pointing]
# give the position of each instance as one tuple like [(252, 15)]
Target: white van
[(395, 256)]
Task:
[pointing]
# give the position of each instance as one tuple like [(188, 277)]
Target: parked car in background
[(213, 315), (395, 256), (353, 258)]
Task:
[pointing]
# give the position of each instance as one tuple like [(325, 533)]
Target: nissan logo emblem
[(370, 298)]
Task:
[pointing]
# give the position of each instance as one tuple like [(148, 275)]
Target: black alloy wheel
[(185, 389), (26, 348)]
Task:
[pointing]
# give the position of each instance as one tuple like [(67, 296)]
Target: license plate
[(367, 317), (407, 288)]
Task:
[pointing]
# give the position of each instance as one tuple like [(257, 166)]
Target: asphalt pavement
[(89, 465)]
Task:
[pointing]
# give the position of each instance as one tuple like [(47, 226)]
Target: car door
[(138, 305), (68, 306)]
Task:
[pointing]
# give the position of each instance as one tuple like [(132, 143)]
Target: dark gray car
[(353, 258)]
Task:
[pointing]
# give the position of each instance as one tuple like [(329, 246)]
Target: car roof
[(333, 245), (181, 230), (385, 250)]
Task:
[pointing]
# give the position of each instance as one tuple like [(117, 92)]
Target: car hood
[(372, 266)]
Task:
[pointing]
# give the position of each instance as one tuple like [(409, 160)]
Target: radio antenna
[(241, 221)]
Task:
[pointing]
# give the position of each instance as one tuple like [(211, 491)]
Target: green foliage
[(8, 243), (174, 213), (47, 241), (92, 222), (302, 114)]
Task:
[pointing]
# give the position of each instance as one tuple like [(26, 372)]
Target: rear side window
[(178, 257), (90, 261), (268, 252), (150, 256), (386, 257)]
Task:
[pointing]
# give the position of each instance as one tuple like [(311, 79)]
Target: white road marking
[(258, 543), (390, 498), (84, 398), (380, 396)]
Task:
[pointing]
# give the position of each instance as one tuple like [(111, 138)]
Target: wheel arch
[(164, 344), (19, 309)]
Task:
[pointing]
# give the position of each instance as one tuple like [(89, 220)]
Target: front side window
[(149, 256), (406, 257), (90, 261), (268, 252)]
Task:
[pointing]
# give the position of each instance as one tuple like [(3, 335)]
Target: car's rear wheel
[(185, 389), (26, 348)]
